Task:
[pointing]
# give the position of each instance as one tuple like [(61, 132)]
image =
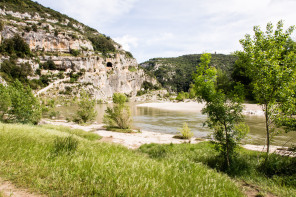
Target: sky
[(171, 28)]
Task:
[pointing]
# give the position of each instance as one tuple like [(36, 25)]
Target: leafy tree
[(271, 67), (16, 46), (119, 116), (224, 111), (5, 101), (86, 109), (102, 43), (25, 107)]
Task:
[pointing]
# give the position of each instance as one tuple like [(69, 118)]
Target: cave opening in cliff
[(109, 65)]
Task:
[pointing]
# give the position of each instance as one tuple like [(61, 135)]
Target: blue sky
[(170, 28)]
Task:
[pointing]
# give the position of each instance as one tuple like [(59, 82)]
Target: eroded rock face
[(105, 76), (102, 76)]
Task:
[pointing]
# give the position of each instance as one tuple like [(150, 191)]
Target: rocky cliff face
[(49, 39)]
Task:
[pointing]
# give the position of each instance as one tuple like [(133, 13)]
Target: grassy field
[(277, 178), (58, 161)]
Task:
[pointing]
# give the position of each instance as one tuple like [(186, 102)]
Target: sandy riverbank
[(130, 140), (135, 140), (249, 109)]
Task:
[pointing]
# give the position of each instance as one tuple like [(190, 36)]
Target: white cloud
[(161, 28), (127, 41), (94, 12)]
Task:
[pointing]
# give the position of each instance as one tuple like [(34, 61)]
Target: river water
[(167, 121)]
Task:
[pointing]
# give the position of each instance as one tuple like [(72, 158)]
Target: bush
[(16, 46), (86, 109), (24, 108), (49, 64), (102, 43), (74, 52), (119, 116), (34, 27), (181, 96), (132, 69), (5, 102), (186, 132)]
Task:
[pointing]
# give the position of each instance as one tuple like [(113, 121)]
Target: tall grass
[(100, 169), (277, 177)]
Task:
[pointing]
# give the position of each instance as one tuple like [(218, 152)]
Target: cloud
[(92, 12), (127, 42), (163, 28)]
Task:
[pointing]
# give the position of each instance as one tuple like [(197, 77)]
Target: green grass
[(28, 159), (78, 132), (116, 129), (246, 166)]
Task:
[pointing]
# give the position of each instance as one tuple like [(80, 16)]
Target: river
[(168, 121)]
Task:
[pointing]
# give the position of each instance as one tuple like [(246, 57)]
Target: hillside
[(176, 73), (40, 46)]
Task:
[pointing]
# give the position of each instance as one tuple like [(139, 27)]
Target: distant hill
[(176, 73)]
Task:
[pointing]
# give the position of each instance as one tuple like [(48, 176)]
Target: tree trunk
[(267, 129), (227, 147)]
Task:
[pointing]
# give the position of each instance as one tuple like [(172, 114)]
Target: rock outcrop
[(52, 40)]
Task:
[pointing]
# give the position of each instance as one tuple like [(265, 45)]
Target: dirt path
[(51, 85), (7, 189)]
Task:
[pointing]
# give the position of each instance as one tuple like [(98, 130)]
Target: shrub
[(181, 96), (119, 116), (5, 102), (186, 132), (74, 52), (16, 46), (102, 43), (86, 109), (20, 104), (132, 69), (129, 54), (34, 27)]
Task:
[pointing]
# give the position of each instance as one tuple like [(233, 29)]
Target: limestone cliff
[(73, 48)]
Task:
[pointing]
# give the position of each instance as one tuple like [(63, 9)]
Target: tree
[(271, 67), (119, 116), (86, 109), (25, 107), (5, 101), (224, 111)]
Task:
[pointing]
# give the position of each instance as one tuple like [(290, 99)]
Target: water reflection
[(165, 121)]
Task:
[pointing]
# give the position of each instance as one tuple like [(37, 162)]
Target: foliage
[(5, 102), (129, 54), (75, 52), (186, 132), (1, 25), (132, 69), (224, 111), (14, 71), (176, 74), (49, 64), (15, 46), (101, 43), (22, 106), (271, 66), (86, 108), (182, 96), (119, 116)]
